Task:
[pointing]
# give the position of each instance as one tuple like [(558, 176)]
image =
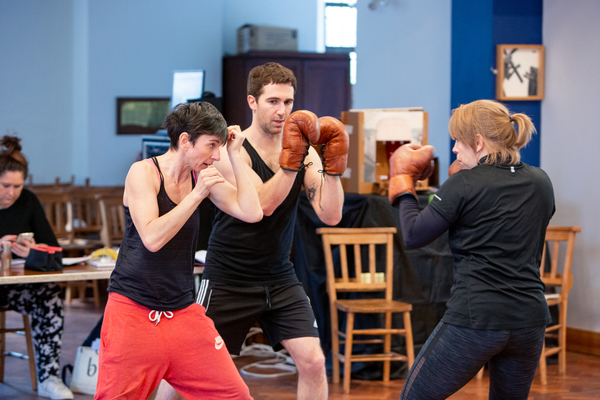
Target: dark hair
[(196, 119), (266, 74), (11, 158), (495, 124)]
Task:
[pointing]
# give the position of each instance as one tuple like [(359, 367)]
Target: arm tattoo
[(311, 192)]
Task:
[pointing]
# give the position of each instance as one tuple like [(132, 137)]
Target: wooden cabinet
[(323, 83)]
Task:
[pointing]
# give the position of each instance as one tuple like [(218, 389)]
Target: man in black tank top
[(248, 274)]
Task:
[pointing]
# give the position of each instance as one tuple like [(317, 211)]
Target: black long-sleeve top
[(27, 215)]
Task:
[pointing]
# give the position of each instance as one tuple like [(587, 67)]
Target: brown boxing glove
[(300, 128), (334, 138), (454, 168), (408, 164)]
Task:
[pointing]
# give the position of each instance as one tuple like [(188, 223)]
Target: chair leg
[(96, 291), (387, 347), (543, 376), (2, 344), (81, 286), (30, 352), (348, 351), (410, 347), (562, 341), (335, 351), (68, 292)]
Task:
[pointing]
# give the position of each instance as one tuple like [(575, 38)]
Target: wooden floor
[(581, 382)]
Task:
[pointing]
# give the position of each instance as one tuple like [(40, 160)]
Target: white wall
[(404, 61), (570, 142)]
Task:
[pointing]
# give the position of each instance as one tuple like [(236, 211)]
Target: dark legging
[(453, 355)]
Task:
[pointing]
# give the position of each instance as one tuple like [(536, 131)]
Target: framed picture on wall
[(141, 115), (520, 72)]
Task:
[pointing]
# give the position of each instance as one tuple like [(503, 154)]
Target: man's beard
[(270, 129)]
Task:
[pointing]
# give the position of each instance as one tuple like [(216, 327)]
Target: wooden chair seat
[(372, 306)]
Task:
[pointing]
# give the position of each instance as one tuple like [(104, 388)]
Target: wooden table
[(81, 272), (72, 273)]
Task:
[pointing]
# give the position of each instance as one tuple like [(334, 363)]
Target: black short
[(283, 312)]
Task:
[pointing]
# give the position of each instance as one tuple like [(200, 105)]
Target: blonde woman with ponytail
[(496, 210)]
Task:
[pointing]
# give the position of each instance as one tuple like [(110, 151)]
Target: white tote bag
[(85, 372)]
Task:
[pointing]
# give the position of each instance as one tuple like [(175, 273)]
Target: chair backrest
[(113, 219), (560, 240), (364, 277), (87, 212), (57, 185), (87, 208), (58, 207)]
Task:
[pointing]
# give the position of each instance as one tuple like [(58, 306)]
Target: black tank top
[(256, 254), (163, 280)]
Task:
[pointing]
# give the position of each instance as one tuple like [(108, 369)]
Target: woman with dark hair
[(152, 328), (21, 211), (496, 209)]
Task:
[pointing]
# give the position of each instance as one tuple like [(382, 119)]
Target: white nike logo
[(219, 342)]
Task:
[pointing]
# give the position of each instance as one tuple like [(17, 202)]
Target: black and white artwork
[(520, 72)]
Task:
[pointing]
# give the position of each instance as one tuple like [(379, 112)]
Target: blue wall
[(477, 27)]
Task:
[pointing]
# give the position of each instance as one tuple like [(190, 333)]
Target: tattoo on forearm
[(311, 192)]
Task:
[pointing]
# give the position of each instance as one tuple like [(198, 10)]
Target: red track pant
[(185, 349)]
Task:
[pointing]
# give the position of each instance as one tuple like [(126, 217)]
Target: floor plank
[(582, 381)]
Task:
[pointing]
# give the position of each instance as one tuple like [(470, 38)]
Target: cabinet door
[(326, 87), (323, 83), (235, 105)]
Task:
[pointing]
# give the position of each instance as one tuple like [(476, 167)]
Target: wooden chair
[(561, 241), (58, 206), (362, 280), (57, 185), (113, 219), (24, 330), (87, 210), (87, 221), (89, 228)]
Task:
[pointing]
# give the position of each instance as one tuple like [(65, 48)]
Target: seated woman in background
[(21, 211)]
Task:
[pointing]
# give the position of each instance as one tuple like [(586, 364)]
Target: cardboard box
[(374, 135), (261, 37)]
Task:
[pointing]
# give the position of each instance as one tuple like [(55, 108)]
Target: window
[(340, 30)]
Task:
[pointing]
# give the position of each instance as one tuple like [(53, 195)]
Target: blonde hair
[(494, 123)]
